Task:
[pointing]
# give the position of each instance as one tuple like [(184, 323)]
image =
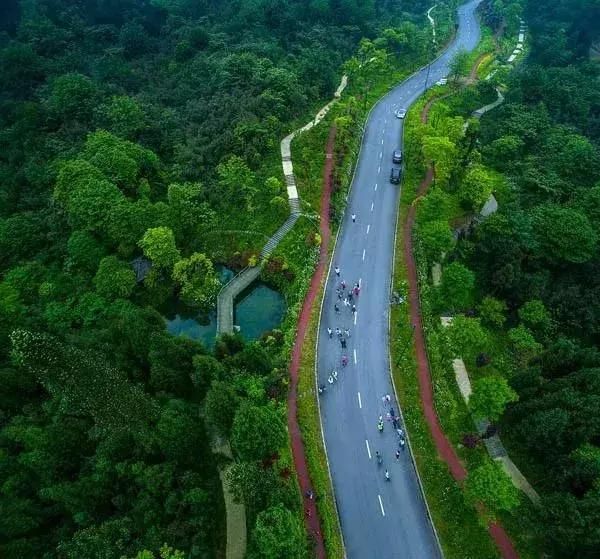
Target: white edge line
[(368, 448), (381, 505)]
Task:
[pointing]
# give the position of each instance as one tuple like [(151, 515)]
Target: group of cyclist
[(399, 432)]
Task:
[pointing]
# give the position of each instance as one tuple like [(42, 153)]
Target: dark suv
[(397, 156), (395, 176)]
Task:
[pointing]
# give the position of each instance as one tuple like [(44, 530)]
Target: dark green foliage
[(535, 269), (144, 129)]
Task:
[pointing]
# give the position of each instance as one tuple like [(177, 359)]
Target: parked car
[(395, 176), (397, 156), (400, 113)]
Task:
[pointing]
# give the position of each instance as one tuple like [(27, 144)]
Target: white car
[(442, 81), (400, 113)]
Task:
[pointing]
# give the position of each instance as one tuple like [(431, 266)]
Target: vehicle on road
[(395, 176), (397, 156), (442, 81), (400, 113)]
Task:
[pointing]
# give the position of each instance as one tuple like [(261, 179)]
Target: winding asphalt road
[(379, 519)]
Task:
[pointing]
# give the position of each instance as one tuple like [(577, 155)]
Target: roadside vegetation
[(519, 284), (151, 130)]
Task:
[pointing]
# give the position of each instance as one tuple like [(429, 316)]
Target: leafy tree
[(278, 533), (87, 197), (569, 524), (476, 187), (459, 65), (159, 246), (564, 234), (584, 470), (437, 239), (456, 289), (114, 278), (198, 280), (186, 210), (72, 97), (236, 182), (535, 315), (121, 161), (219, 406), (443, 154), (123, 116), (435, 206), (171, 363), (467, 337), (490, 485), (85, 251), (524, 343), (490, 396), (165, 552), (252, 484), (258, 431), (492, 312)]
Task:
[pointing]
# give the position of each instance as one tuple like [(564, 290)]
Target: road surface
[(380, 519)]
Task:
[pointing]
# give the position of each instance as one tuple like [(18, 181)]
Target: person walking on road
[(337, 309), (347, 332), (343, 342), (353, 218), (397, 455), (337, 271), (344, 360), (330, 332), (353, 309), (343, 285), (338, 332), (334, 374)]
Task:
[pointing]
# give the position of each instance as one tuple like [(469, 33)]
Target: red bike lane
[(313, 524)]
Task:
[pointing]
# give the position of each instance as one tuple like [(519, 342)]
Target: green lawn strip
[(310, 425)]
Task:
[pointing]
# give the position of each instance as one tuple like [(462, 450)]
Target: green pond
[(257, 310)]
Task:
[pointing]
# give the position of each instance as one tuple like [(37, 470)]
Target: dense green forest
[(526, 279), (541, 257), (136, 128)]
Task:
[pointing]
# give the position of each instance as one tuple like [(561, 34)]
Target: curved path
[(228, 293), (379, 519)]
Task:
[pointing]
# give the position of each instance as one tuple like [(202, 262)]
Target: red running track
[(313, 524), (443, 445)]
